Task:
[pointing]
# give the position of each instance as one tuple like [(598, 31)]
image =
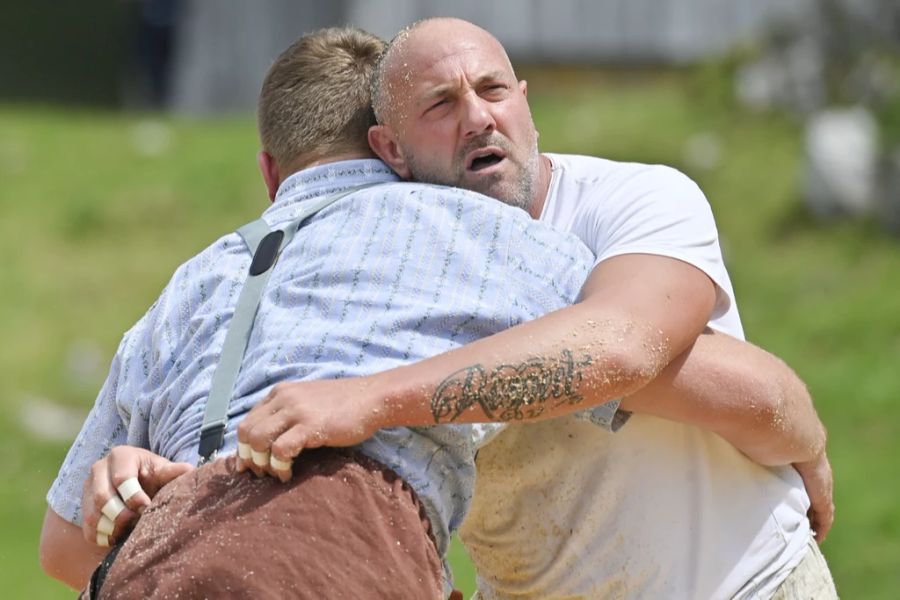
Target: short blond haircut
[(316, 98)]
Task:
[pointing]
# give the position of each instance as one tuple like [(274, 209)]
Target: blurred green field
[(97, 209)]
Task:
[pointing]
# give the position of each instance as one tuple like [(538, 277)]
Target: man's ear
[(269, 169), (523, 86), (384, 143)]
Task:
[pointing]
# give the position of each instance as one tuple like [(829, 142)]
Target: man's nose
[(477, 117)]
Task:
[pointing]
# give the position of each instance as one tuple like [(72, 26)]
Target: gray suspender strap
[(265, 246)]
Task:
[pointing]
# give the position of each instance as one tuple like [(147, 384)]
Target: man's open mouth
[(485, 158)]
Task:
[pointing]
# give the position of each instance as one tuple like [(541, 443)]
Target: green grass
[(91, 227)]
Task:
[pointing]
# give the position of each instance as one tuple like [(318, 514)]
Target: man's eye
[(437, 104)]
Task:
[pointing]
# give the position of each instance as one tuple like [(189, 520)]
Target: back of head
[(315, 101)]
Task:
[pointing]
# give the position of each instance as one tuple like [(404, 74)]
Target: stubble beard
[(517, 189)]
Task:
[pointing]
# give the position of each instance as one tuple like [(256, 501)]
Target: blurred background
[(127, 144)]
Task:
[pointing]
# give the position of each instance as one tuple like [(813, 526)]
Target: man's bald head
[(434, 35), (451, 111)]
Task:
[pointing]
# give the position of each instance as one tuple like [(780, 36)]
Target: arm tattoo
[(510, 392)]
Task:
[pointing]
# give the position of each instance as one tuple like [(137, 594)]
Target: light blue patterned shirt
[(387, 276)]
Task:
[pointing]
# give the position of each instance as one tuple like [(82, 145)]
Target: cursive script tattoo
[(510, 392)]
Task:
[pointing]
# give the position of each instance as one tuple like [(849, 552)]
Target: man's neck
[(308, 161), (542, 186)]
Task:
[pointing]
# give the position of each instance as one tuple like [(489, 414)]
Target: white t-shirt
[(564, 509)]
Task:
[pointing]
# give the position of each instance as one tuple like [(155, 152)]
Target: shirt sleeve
[(653, 209), (118, 416), (103, 429)]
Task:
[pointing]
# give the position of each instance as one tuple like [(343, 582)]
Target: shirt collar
[(331, 178)]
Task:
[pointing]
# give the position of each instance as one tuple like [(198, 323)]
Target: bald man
[(563, 508)]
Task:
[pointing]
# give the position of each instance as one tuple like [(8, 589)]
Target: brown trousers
[(343, 527)]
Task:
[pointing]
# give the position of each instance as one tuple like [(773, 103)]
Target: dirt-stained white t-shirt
[(564, 509)]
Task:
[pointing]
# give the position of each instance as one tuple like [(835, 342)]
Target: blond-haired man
[(364, 286)]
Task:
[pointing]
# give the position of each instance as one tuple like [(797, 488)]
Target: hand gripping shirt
[(386, 276), (660, 509)]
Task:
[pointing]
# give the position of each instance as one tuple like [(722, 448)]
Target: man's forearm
[(65, 554), (546, 368), (566, 361), (737, 390), (741, 392), (636, 313)]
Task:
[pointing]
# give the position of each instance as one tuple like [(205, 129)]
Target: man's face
[(459, 115)]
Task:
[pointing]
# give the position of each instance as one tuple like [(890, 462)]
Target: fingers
[(120, 487), (256, 433), (257, 455), (287, 447), (255, 440), (818, 480), (158, 472), (298, 415), (124, 470), (275, 443), (282, 469), (112, 508), (244, 453), (105, 516), (821, 519), (105, 529), (129, 488), (824, 506)]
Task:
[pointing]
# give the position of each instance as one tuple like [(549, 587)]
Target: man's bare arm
[(65, 554), (70, 552), (587, 359), (637, 312), (755, 402), (746, 395), (569, 360), (735, 389)]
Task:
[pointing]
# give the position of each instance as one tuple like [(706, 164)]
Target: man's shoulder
[(580, 168), (475, 216), (197, 276), (216, 255)]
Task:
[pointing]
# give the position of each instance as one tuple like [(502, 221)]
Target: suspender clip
[(211, 439)]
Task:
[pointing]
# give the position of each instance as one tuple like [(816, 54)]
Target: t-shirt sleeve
[(654, 209)]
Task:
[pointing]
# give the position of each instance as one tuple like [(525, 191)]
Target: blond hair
[(315, 100)]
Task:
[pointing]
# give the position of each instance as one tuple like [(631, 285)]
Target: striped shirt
[(386, 276)]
